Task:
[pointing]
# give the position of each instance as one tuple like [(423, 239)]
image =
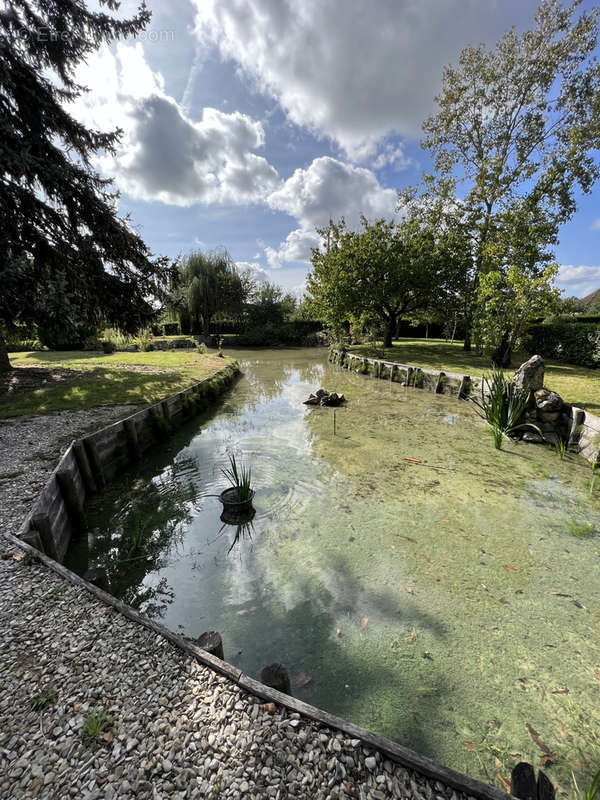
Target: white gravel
[(177, 729)]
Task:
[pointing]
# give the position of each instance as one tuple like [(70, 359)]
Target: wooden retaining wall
[(585, 427), (91, 462)]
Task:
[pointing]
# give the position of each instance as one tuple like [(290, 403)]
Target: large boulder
[(530, 374), (548, 401)]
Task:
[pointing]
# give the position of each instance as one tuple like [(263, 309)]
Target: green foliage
[(208, 284), (47, 697), (375, 275), (202, 349), (566, 341), (593, 791), (581, 530), (68, 261), (517, 125), (94, 725), (502, 406), (161, 426), (240, 478)]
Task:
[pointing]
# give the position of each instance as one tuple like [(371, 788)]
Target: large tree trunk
[(467, 342), (5, 364), (390, 330), (501, 356)]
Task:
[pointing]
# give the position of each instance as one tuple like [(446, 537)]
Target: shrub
[(566, 341), (23, 345), (202, 348), (144, 341), (171, 329)]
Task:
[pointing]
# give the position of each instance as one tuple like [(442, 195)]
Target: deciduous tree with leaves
[(66, 257), (382, 272), (517, 134)]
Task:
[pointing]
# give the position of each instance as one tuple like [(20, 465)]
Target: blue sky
[(249, 122)]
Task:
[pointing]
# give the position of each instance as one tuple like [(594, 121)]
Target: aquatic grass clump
[(502, 407), (240, 478)]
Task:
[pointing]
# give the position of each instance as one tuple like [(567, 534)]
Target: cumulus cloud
[(348, 69), (579, 280), (165, 155), (258, 274)]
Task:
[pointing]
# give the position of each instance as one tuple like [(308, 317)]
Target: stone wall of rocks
[(555, 418), (89, 463)]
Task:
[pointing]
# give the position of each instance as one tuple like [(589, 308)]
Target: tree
[(209, 283), (270, 306), (517, 127), (380, 273), (61, 240)]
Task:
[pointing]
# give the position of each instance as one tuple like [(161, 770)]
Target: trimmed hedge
[(575, 343)]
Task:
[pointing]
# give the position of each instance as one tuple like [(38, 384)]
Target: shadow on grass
[(95, 387)]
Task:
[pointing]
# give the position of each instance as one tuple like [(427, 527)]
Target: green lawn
[(82, 379), (577, 385)]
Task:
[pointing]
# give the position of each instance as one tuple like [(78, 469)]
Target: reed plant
[(240, 478), (502, 405)]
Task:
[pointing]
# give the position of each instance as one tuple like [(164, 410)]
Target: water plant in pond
[(240, 478), (561, 448), (502, 406)]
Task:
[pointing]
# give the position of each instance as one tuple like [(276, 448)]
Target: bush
[(23, 345), (566, 341), (202, 348), (59, 334), (171, 329)]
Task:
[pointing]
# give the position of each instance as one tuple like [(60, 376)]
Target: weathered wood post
[(132, 438), (85, 469), (276, 676), (71, 498), (212, 642), (98, 576), (41, 522), (95, 462)]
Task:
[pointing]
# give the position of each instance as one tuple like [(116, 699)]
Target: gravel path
[(172, 727)]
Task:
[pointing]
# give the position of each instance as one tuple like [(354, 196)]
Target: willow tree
[(209, 283), (516, 133), (66, 258)]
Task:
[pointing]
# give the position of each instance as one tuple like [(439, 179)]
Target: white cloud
[(260, 275), (595, 226), (580, 280), (349, 69), (392, 156), (164, 155), (327, 189)]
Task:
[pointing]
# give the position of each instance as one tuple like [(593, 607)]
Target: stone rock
[(548, 401), (530, 374), (549, 416), (321, 393), (532, 436), (312, 400)]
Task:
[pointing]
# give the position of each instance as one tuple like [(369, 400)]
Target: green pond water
[(411, 578)]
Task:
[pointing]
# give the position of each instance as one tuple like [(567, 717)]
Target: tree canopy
[(380, 273), (515, 135), (208, 284), (66, 258)]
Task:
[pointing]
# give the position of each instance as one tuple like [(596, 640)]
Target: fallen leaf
[(560, 594), (393, 547), (445, 520), (18, 556), (546, 761), (413, 637), (428, 560), (562, 690), (497, 762), (598, 675), (508, 568), (363, 623), (410, 539), (269, 708), (504, 783), (536, 738), (577, 603), (412, 460), (581, 764), (338, 632), (469, 746), (301, 679), (525, 680), (427, 654), (410, 590)]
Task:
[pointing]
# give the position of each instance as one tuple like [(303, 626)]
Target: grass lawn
[(81, 379), (577, 385)]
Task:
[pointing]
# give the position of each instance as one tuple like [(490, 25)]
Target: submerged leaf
[(363, 623)]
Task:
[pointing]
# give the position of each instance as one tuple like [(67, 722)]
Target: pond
[(411, 578)]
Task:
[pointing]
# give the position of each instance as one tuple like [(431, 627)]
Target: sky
[(249, 123)]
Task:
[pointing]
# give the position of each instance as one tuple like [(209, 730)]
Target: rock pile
[(323, 398), (557, 420)]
